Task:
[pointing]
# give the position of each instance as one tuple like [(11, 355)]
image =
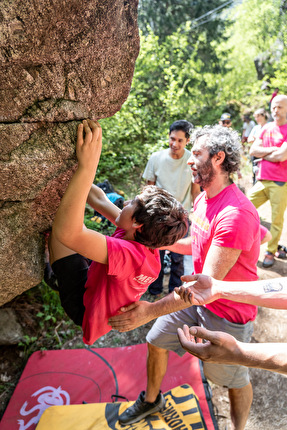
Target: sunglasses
[(226, 122)]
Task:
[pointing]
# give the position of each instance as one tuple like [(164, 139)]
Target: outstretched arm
[(182, 246), (223, 348), (99, 201), (202, 289), (140, 313), (68, 227)]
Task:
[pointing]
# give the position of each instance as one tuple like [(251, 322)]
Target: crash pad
[(181, 412), (102, 375)]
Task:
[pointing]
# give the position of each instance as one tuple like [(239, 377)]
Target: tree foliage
[(190, 73), (255, 47)]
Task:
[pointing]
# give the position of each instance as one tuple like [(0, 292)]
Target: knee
[(155, 351)]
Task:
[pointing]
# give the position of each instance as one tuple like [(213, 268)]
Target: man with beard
[(225, 244)]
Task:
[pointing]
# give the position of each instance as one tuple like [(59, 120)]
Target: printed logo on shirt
[(273, 138), (203, 224), (143, 279), (194, 239)]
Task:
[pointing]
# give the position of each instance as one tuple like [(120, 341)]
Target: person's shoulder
[(159, 154), (186, 155), (268, 125), (117, 243), (238, 202)]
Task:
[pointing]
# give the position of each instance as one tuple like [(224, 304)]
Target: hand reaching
[(219, 347), (89, 144), (133, 316), (198, 290)]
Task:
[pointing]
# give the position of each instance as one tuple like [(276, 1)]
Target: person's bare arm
[(201, 289), (223, 348), (219, 261), (266, 238), (141, 312), (68, 226), (99, 201), (182, 246), (257, 150), (279, 155)]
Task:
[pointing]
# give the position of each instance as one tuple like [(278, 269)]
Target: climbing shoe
[(141, 409)]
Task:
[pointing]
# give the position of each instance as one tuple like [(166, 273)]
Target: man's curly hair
[(221, 139), (163, 218)]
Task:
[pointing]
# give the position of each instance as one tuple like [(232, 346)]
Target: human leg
[(57, 250), (258, 194), (233, 377), (151, 400), (240, 404), (176, 270), (156, 287), (71, 271), (278, 201), (161, 338), (157, 360)]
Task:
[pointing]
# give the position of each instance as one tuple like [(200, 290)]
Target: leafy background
[(198, 59)]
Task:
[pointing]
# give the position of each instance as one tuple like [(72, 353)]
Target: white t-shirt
[(247, 127), (173, 175), (255, 132)]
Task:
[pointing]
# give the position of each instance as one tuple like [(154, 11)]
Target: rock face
[(11, 331), (60, 61)]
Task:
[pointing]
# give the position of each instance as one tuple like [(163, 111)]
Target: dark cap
[(225, 116)]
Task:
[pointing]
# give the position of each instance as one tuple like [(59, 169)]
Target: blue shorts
[(163, 334)]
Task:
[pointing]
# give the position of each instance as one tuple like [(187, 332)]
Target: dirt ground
[(269, 408)]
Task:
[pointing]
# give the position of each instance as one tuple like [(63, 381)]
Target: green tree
[(207, 24), (169, 83), (254, 45)]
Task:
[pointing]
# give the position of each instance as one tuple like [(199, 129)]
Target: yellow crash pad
[(181, 412)]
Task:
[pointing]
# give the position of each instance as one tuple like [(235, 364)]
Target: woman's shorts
[(71, 273), (163, 334)]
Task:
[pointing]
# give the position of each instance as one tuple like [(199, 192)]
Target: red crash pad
[(70, 377)]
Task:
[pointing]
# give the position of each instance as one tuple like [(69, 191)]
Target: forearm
[(168, 304), (96, 197), (271, 293), (269, 356), (68, 224), (275, 157), (261, 151), (182, 246), (70, 214)]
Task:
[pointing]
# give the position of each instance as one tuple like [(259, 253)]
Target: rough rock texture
[(60, 61), (11, 332)]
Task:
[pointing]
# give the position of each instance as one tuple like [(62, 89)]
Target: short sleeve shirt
[(173, 175), (131, 268), (273, 135), (228, 220)]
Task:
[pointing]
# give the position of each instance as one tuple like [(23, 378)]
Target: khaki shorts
[(163, 334)]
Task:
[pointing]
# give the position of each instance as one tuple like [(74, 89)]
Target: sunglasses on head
[(226, 121)]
